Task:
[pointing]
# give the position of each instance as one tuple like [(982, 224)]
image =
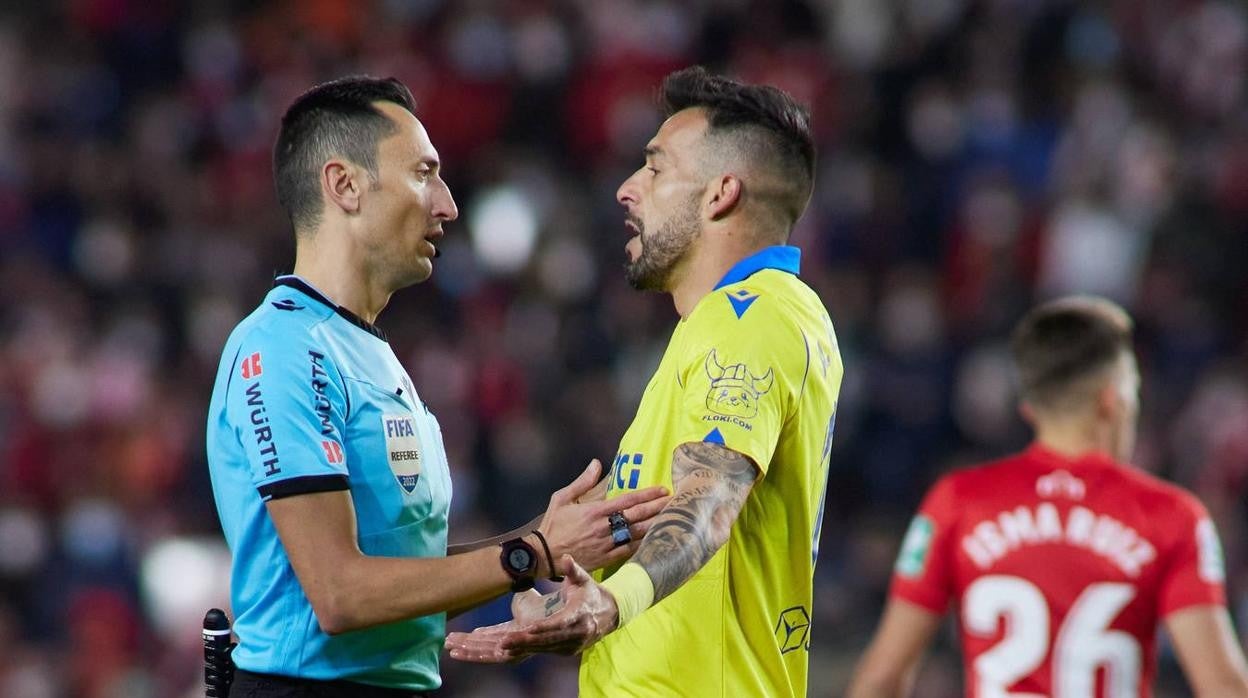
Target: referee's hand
[(582, 529)]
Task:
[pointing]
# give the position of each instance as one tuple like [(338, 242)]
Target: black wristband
[(549, 558)]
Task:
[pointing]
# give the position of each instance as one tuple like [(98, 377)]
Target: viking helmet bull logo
[(734, 390)]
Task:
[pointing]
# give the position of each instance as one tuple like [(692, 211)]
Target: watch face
[(519, 559)]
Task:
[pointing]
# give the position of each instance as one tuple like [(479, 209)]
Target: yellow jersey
[(754, 367)]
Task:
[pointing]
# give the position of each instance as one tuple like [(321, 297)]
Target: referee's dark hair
[(763, 124), (1061, 346), (334, 119)]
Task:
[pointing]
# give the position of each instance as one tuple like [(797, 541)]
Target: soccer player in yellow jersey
[(737, 421)]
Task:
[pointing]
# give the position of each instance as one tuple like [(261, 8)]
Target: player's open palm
[(568, 621), (587, 613), (483, 645), (584, 530)]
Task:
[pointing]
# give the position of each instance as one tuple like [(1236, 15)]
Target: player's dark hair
[(766, 123), (334, 119), (1065, 341)]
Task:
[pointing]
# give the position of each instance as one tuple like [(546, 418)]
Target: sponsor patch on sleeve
[(915, 547), (250, 367), (1210, 564)]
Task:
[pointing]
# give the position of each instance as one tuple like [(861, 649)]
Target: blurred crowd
[(975, 157)]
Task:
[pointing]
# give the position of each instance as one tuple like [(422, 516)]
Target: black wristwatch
[(519, 561)]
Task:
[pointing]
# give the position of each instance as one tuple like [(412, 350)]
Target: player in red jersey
[(1061, 560)]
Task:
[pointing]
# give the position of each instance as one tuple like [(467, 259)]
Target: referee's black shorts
[(250, 685)]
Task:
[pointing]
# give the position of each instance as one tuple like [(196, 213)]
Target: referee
[(327, 468)]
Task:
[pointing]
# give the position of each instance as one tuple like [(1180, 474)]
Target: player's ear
[(1027, 412), (341, 185), (722, 196), (1108, 400)]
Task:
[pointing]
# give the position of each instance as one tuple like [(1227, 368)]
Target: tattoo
[(710, 483), (554, 603)]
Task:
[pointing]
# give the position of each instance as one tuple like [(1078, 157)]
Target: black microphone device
[(218, 666)]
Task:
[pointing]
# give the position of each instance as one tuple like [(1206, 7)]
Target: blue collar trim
[(782, 257)]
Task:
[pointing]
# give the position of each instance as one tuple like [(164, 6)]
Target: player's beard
[(661, 252)]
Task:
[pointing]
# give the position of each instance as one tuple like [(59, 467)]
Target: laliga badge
[(402, 449)]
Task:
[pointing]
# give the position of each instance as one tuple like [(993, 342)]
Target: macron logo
[(1060, 483)]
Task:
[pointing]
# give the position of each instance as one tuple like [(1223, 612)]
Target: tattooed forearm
[(711, 483)]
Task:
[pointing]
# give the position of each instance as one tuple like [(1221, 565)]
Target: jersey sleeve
[(1195, 574), (923, 573), (287, 405), (741, 378)]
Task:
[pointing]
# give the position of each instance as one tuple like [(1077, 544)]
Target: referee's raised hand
[(585, 530)]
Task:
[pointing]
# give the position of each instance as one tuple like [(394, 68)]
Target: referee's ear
[(340, 184), (723, 196)]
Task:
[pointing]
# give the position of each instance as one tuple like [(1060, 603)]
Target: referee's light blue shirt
[(310, 398)]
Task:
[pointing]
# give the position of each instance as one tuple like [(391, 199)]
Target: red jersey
[(1060, 570)]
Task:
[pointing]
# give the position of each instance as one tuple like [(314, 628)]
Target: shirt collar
[(307, 289), (782, 257), (1041, 453)]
